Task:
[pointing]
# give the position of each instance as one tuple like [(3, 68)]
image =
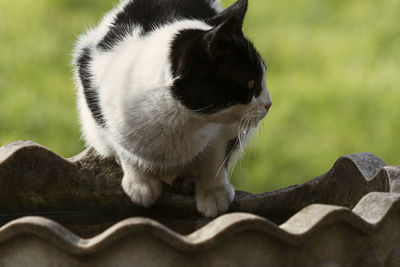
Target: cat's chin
[(228, 117), (237, 122), (224, 120)]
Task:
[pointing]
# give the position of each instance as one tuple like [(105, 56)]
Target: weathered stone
[(393, 260), (332, 220)]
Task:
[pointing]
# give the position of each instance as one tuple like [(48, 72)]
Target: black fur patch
[(151, 14), (91, 96), (209, 85)]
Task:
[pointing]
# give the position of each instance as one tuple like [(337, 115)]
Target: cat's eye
[(251, 84)]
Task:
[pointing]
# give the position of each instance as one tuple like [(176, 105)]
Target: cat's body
[(148, 93)]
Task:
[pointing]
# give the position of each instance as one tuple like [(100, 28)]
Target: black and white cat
[(171, 87)]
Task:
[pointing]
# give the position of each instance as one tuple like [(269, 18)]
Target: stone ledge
[(298, 229), (333, 219)]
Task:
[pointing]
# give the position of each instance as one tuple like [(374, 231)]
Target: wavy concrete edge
[(297, 230), (367, 216), (368, 170), (8, 151)]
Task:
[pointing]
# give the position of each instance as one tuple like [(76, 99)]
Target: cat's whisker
[(235, 161), (226, 159), (237, 157), (240, 133), (248, 122), (244, 131)]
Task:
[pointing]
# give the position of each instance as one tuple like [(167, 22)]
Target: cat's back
[(149, 15), (140, 18), (130, 21)]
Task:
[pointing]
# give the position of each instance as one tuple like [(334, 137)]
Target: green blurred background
[(333, 73)]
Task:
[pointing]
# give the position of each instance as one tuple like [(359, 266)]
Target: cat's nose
[(267, 106)]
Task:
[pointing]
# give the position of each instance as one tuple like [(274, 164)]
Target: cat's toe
[(144, 192), (215, 201)]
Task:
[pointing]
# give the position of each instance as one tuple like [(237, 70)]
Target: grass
[(333, 73)]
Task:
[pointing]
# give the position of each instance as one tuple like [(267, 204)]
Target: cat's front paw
[(143, 192), (214, 201)]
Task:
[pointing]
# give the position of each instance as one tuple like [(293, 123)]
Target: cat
[(171, 88)]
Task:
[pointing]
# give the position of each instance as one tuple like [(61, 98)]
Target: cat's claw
[(144, 192), (215, 201)]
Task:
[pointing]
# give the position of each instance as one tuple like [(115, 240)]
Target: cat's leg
[(213, 197), (214, 193), (142, 188)]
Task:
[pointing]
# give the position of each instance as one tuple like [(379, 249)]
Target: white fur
[(216, 5), (149, 130)]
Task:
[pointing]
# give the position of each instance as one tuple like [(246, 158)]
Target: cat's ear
[(218, 39), (223, 31), (226, 24), (237, 10)]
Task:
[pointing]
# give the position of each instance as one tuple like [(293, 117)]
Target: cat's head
[(218, 73)]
